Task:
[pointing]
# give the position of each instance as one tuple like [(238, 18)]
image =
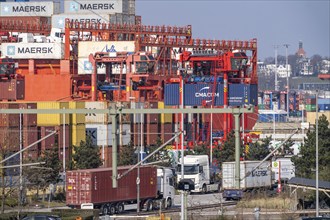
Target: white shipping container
[(137, 118), (33, 50), (58, 21), (261, 177), (97, 7), (101, 134), (96, 118), (42, 9), (85, 67), (286, 166), (85, 48)]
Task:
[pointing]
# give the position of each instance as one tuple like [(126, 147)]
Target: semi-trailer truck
[(92, 188), (259, 178), (197, 169)]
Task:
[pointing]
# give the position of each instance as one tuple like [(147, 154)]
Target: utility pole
[(317, 155), (276, 83), (287, 81)]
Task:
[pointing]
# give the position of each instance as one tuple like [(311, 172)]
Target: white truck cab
[(25, 38), (197, 168), (165, 186)]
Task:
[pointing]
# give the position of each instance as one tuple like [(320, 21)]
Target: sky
[(271, 22)]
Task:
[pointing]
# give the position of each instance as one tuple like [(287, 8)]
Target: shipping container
[(166, 132), (52, 119), (152, 118), (164, 118), (310, 108), (102, 135), (152, 134), (77, 118), (92, 118), (324, 107), (81, 187), (30, 136), (33, 50), (19, 9), (311, 116), (85, 67), (26, 21), (9, 138), (9, 120), (29, 120), (259, 178), (99, 7), (85, 48), (202, 94), (36, 89), (78, 134), (58, 21), (137, 118), (12, 90)]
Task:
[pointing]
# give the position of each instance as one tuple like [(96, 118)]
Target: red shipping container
[(9, 120), (166, 132), (29, 136), (56, 139), (12, 90), (28, 22), (82, 187), (29, 119), (152, 118), (136, 134), (9, 138), (152, 134)]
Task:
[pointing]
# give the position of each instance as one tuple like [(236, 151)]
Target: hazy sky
[(271, 22)]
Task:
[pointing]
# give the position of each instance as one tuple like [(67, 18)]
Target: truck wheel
[(204, 189), (120, 208), (168, 203), (112, 209), (105, 209), (150, 205)]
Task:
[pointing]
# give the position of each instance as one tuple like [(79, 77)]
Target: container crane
[(213, 67)]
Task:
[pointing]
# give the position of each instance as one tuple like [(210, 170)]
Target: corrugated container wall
[(52, 119), (164, 118), (102, 134), (29, 119), (81, 187), (78, 134), (40, 8), (97, 7), (77, 118), (9, 120), (12, 90), (33, 50), (26, 21), (92, 118)]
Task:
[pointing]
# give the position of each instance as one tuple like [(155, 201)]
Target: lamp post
[(317, 155), (287, 81)]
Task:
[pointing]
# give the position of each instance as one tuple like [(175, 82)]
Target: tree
[(43, 175), (305, 163), (259, 150), (127, 155), (86, 156), (226, 152), (162, 155)]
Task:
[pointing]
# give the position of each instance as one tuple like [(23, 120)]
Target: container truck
[(92, 188), (259, 178), (283, 169), (197, 168)]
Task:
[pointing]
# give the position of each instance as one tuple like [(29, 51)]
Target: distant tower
[(301, 52)]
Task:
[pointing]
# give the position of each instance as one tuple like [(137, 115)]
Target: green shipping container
[(261, 106), (310, 108)]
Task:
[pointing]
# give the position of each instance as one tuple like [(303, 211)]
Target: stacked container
[(12, 90)]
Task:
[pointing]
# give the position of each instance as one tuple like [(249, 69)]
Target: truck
[(92, 188), (197, 169), (257, 179), (286, 168)]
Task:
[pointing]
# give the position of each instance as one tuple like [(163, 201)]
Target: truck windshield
[(188, 169)]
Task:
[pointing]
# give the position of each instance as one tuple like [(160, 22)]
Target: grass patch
[(279, 202)]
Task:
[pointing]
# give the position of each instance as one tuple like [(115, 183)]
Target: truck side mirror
[(186, 185)]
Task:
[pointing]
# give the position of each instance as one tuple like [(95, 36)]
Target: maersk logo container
[(33, 50), (44, 9), (58, 21), (96, 7), (204, 94)]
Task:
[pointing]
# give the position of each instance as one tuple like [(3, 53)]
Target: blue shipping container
[(324, 107), (270, 118), (201, 94), (323, 101)]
